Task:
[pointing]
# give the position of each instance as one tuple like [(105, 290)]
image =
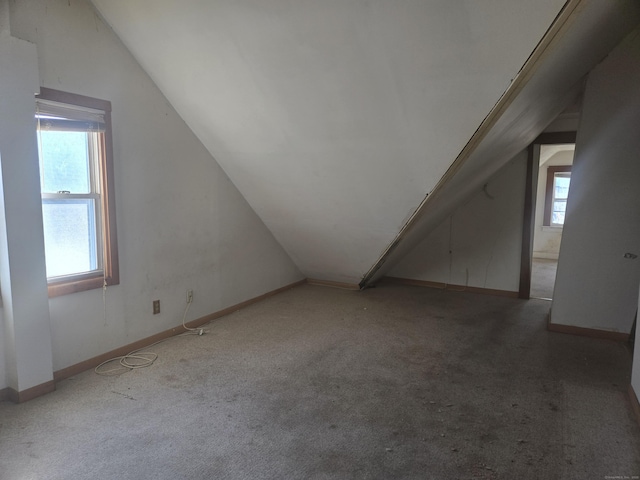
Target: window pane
[(69, 236), (561, 185), (64, 161), (74, 141), (560, 206), (557, 218)]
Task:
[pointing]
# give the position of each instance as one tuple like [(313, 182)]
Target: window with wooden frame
[(557, 192), (76, 180)]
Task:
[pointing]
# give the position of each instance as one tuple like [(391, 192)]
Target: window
[(76, 181), (555, 205)]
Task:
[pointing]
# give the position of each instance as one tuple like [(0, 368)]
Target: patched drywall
[(333, 118), (596, 286), (479, 244), (181, 223), (547, 239)]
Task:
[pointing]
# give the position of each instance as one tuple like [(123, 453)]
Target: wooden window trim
[(548, 198), (111, 275)]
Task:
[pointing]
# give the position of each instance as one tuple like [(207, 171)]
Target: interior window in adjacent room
[(557, 192), (76, 180)]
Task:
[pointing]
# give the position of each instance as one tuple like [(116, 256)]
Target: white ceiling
[(334, 118), (547, 152)]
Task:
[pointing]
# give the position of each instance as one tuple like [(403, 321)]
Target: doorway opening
[(554, 179), (548, 181)]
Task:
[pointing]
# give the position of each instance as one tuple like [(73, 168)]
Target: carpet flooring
[(543, 277), (394, 382)]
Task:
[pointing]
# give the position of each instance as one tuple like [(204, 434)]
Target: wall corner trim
[(635, 404), (587, 332)]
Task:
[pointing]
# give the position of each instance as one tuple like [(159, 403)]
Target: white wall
[(546, 239), (27, 334), (479, 245), (181, 222), (595, 286)]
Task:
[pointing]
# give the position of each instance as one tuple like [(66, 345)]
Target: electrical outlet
[(156, 307), (189, 296)]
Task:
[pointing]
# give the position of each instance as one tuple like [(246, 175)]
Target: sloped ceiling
[(334, 118), (583, 35)]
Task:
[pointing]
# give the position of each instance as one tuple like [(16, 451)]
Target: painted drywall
[(546, 239), (27, 333), (555, 83), (596, 287), (333, 118), (181, 222), (479, 244)]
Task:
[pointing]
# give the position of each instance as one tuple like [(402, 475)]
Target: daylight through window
[(558, 183), (75, 178), (560, 193)]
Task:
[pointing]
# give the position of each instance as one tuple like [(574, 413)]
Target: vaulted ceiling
[(335, 118)]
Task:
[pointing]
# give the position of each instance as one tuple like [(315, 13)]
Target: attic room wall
[(479, 244), (181, 222), (596, 287)]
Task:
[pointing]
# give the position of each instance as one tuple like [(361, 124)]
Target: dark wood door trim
[(527, 227)]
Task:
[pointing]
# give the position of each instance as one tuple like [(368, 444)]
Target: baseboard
[(587, 332), (4, 394), (30, 393), (145, 342), (635, 404), (453, 288), (328, 283)]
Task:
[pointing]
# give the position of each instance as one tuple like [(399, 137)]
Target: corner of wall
[(478, 245)]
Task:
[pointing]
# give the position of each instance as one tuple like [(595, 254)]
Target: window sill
[(552, 228), (67, 286)]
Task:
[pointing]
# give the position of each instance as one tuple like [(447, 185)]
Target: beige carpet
[(543, 277), (318, 383)]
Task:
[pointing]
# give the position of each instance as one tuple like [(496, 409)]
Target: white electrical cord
[(130, 361), (104, 297), (190, 331), (140, 359)]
